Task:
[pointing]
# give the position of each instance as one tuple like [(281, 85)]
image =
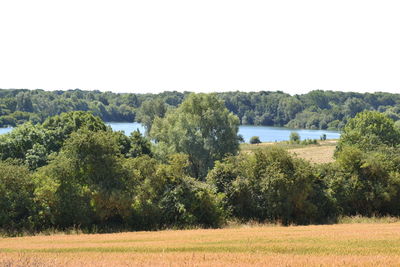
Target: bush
[(309, 142), (191, 203), (165, 196), (294, 137), (366, 183), (272, 186), (369, 130), (16, 198), (255, 140)]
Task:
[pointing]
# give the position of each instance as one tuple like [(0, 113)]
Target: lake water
[(266, 133), (5, 130)]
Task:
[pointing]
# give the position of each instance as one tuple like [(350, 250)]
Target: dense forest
[(315, 110), (73, 171)]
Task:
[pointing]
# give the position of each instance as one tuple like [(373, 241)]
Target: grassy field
[(366, 244), (321, 153)]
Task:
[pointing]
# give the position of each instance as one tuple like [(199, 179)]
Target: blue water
[(266, 133), (5, 130), (272, 134), (127, 127)]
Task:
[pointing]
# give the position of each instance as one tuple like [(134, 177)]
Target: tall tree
[(200, 127), (368, 130), (151, 109)]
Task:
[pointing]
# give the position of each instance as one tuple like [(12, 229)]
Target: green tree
[(151, 109), (271, 185), (34, 143), (366, 183), (368, 130), (17, 210), (200, 127), (255, 140), (139, 145), (294, 137), (165, 195), (89, 173)]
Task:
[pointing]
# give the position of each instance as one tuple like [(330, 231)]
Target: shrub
[(255, 140), (16, 198), (366, 183), (309, 142), (369, 130), (294, 137), (271, 185)]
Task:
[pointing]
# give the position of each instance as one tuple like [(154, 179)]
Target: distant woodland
[(315, 110)]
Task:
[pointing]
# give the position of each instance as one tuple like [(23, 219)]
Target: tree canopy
[(368, 130), (74, 171), (200, 127), (315, 110)]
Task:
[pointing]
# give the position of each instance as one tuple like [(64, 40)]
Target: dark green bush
[(272, 186), (255, 140), (17, 207), (294, 138)]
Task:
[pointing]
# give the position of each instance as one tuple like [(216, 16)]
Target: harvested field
[(315, 154), (373, 244), (321, 153)]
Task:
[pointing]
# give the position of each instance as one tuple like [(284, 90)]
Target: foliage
[(100, 180), (200, 127), (255, 140), (271, 185), (294, 137), (365, 183), (72, 171), (309, 142), (151, 109), (365, 178), (88, 171), (369, 130), (17, 207), (165, 196), (139, 145), (35, 143), (314, 110)]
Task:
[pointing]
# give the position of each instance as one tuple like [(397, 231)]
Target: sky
[(202, 46)]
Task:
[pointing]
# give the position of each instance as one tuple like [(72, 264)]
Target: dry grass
[(321, 153), (343, 244), (315, 154)]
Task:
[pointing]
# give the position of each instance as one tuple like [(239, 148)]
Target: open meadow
[(366, 244), (319, 153)]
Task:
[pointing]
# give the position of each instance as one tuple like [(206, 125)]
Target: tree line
[(315, 110), (73, 171)]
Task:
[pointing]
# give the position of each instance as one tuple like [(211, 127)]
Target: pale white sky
[(217, 45)]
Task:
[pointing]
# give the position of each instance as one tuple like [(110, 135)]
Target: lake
[(266, 133), (5, 130)]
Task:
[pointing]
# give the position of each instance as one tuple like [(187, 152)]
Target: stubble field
[(365, 244), (320, 153)]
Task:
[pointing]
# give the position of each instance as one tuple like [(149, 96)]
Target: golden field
[(315, 154), (362, 244), (321, 153)]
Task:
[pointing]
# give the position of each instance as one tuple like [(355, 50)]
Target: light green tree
[(151, 109), (200, 127), (368, 130), (294, 137)]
